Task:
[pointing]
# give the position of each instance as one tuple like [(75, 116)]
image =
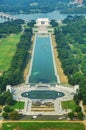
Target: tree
[(77, 78), (78, 109), (7, 94), (5, 115), (7, 109), (80, 115), (54, 23), (71, 46), (14, 115), (71, 115), (84, 101), (8, 98), (14, 75), (2, 100), (80, 96), (0, 110), (9, 101), (76, 99), (31, 24)]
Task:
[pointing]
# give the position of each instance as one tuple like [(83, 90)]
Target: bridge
[(7, 16), (10, 17)]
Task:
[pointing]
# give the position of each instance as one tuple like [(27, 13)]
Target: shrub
[(9, 101), (80, 115), (71, 115), (84, 101), (14, 115), (78, 109), (8, 109), (5, 115)]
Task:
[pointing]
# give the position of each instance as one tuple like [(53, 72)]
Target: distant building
[(42, 22), (78, 1)]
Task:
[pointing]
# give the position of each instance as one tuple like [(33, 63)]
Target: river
[(2, 20), (52, 15)]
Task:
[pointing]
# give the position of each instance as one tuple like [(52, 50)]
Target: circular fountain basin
[(42, 94)]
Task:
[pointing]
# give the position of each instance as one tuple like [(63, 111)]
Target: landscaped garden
[(18, 105), (69, 105)]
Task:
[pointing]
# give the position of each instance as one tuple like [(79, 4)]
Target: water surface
[(51, 15), (42, 94), (2, 20), (42, 70)]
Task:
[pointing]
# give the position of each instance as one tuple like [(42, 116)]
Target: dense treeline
[(31, 6), (73, 9), (6, 99), (14, 75), (71, 46), (10, 27), (69, 8), (27, 6)]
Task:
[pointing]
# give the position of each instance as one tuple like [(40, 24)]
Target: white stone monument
[(9, 88), (76, 89), (42, 22)]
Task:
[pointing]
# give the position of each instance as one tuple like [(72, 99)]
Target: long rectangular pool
[(42, 67)]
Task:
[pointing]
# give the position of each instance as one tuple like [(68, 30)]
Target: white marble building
[(42, 22)]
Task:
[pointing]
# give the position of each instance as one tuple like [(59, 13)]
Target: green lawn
[(69, 105), (43, 126), (18, 105), (7, 50)]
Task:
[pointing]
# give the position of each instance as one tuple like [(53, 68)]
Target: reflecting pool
[(42, 94), (42, 69)]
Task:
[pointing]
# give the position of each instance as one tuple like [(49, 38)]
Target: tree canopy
[(14, 75), (71, 46)]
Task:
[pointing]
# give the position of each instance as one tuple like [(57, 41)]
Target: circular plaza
[(35, 106)]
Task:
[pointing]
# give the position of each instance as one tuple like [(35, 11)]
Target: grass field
[(69, 105), (43, 126), (18, 105), (7, 50)]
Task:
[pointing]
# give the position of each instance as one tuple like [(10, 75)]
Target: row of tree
[(10, 27), (6, 99), (26, 6), (71, 46), (14, 75), (77, 113), (9, 113)]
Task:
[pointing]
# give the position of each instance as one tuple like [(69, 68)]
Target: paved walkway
[(14, 121), (81, 105)]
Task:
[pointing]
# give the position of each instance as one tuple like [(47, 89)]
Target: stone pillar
[(8, 88), (76, 89)]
